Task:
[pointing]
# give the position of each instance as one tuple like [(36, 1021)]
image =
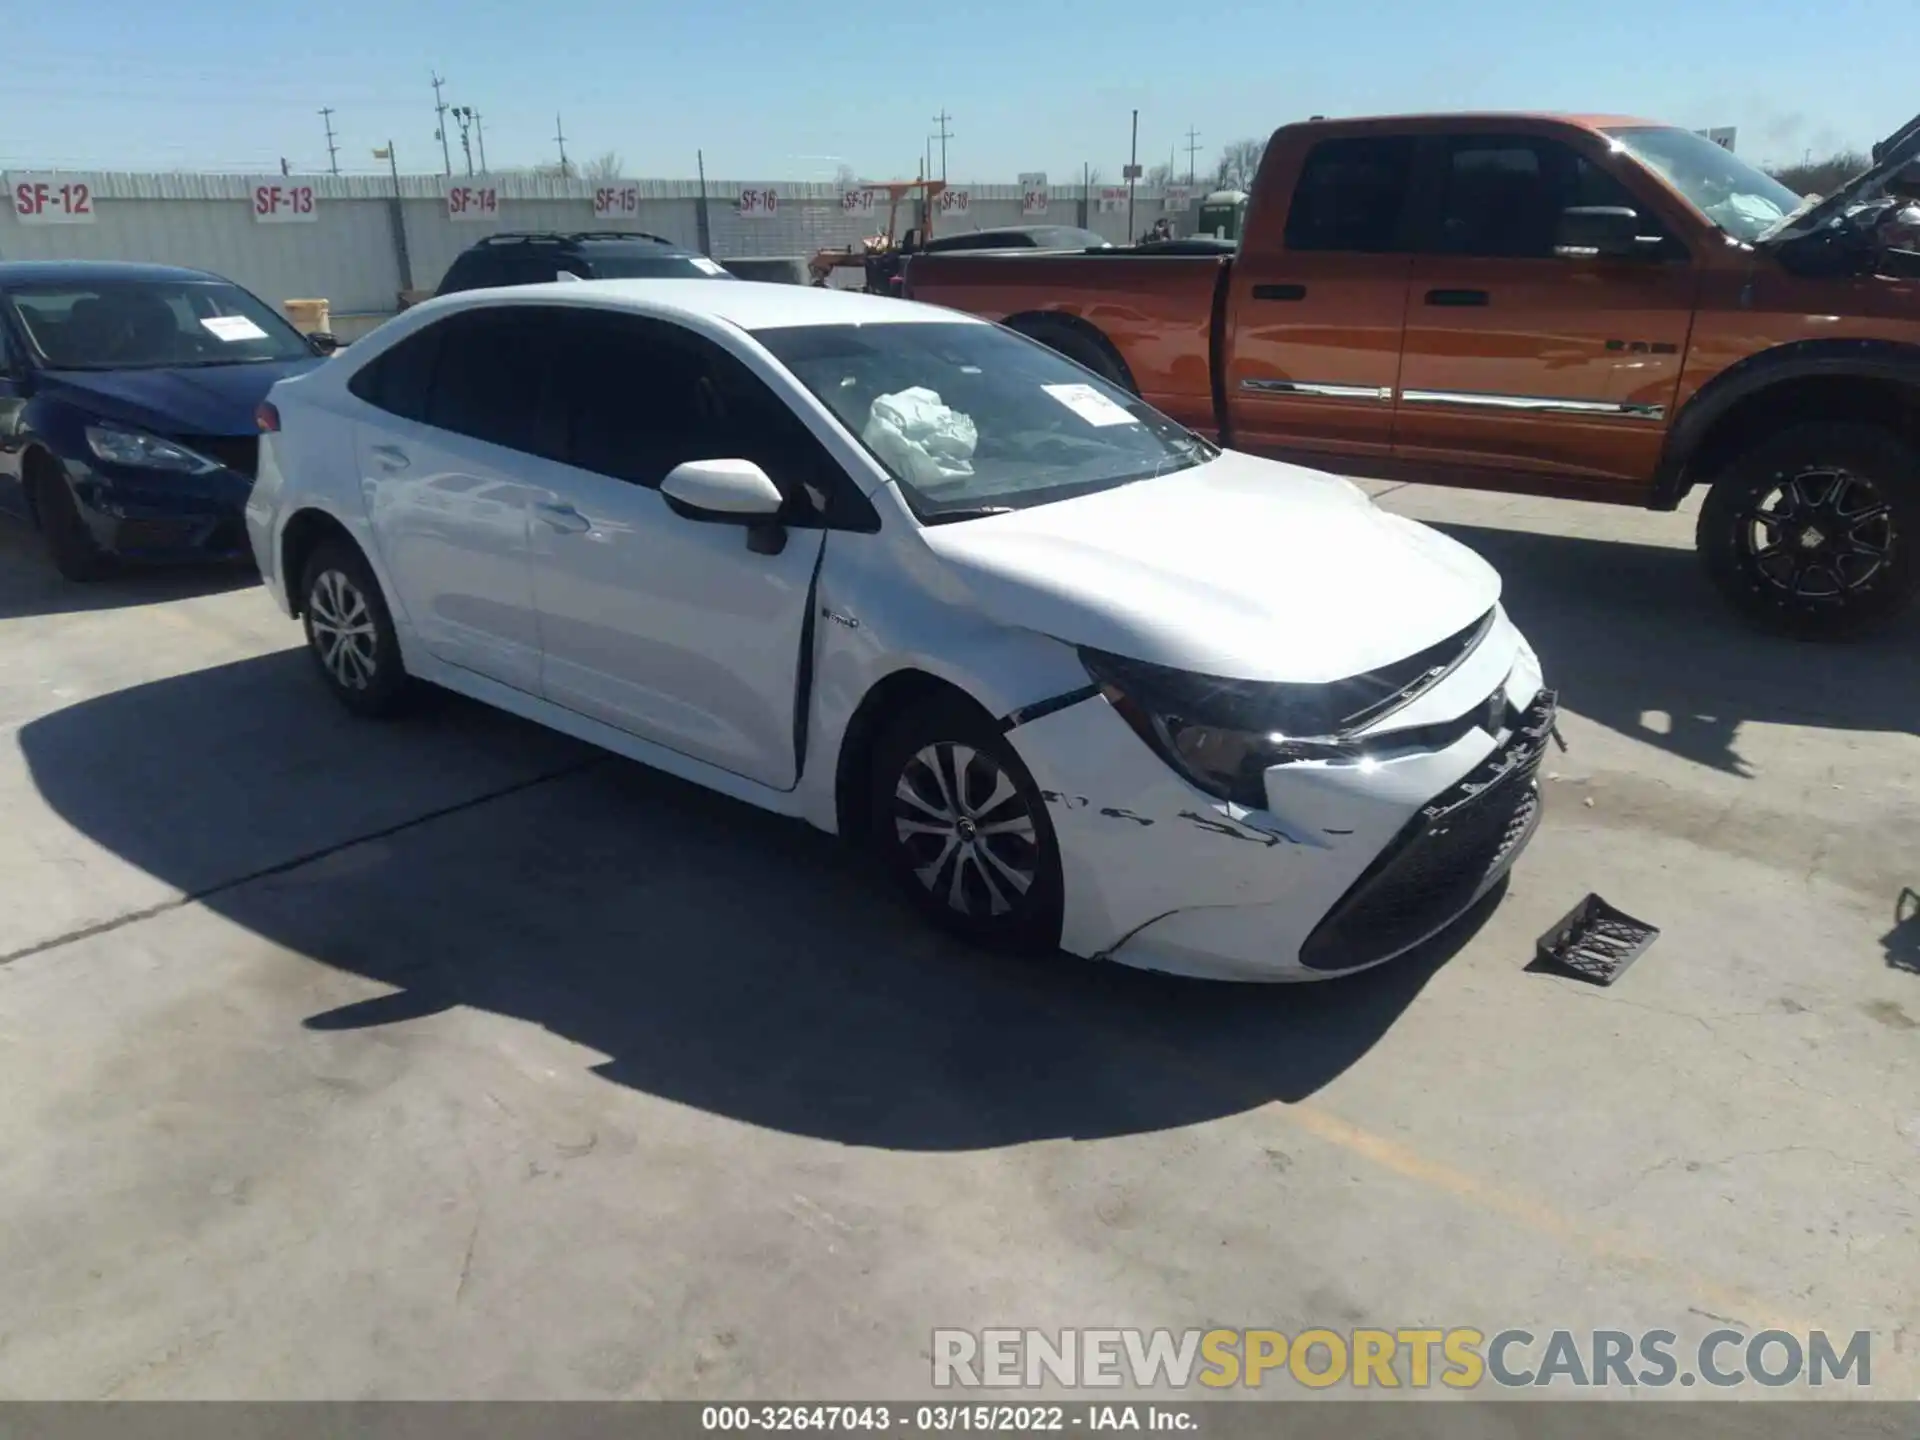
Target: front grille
[(239, 453), (1444, 859)]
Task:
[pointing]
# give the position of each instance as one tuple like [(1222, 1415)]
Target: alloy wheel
[(967, 830), (1819, 535), (343, 630)]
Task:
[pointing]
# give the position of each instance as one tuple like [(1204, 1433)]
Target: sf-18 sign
[(759, 204), (956, 202), (1033, 192), (280, 202), (473, 202), (612, 201), (50, 200)]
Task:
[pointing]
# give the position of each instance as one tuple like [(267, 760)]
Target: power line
[(1193, 149), (440, 122), (333, 150), (943, 135)]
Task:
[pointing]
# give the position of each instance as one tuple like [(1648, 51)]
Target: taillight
[(266, 417)]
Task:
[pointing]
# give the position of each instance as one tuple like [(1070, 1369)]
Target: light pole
[(463, 117)]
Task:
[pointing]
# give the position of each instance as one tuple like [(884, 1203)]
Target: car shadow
[(1903, 941), (715, 955), (30, 586), (1633, 637)]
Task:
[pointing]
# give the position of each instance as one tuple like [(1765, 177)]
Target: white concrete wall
[(346, 254)]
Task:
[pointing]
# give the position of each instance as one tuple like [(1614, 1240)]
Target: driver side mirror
[(1589, 232), (729, 492), (322, 342)]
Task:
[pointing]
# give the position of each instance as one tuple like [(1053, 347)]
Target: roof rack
[(555, 237)]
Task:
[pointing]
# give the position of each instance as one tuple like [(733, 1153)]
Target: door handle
[(391, 457), (563, 517), (1279, 292), (1456, 297)]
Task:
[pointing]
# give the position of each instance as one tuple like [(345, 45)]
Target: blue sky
[(785, 89)]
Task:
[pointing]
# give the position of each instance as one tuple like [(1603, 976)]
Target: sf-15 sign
[(612, 201), (50, 199), (283, 202)]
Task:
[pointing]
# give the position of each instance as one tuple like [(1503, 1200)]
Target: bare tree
[(1159, 177), (603, 168), (843, 176), (1095, 175), (1821, 177), (1238, 164)]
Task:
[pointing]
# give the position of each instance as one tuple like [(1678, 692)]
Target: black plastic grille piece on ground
[(1446, 857), (1593, 942)]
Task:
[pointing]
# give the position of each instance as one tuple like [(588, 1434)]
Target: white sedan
[(1082, 678)]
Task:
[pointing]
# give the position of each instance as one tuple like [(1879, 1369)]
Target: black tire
[(1081, 348), (70, 545), (350, 631), (985, 867), (1815, 531)]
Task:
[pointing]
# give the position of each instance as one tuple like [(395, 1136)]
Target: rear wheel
[(70, 545), (963, 828), (350, 631), (1813, 532), (1079, 347)]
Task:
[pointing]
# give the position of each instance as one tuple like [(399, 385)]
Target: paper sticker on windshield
[(233, 327), (1090, 405), (708, 267)]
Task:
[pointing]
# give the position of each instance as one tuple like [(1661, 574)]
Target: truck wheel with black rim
[(350, 632), (1078, 346), (963, 829), (1813, 532)]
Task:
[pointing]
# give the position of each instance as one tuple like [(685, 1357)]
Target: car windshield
[(655, 267), (1728, 191), (151, 324), (971, 419)]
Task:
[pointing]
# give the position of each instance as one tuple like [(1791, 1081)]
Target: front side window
[(1728, 191), (151, 325), (970, 417), (1352, 195), (1503, 195)]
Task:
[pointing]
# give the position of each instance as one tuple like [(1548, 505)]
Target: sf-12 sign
[(50, 199), (1033, 192), (613, 201), (473, 202), (759, 204), (956, 202), (281, 202), (859, 200)]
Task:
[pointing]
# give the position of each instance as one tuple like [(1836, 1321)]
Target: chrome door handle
[(391, 457), (563, 518)]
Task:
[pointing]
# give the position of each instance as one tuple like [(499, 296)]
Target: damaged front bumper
[(1349, 865)]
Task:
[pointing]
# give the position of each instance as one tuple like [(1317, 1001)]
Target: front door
[(1521, 359), (444, 462), (1315, 351), (670, 628)]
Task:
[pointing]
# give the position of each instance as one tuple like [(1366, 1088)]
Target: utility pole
[(440, 121), (1193, 149), (333, 150), (560, 139), (480, 137), (463, 117), (1133, 173), (943, 136)]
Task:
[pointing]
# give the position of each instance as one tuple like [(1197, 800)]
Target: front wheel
[(70, 545), (1813, 532), (963, 828), (350, 631)]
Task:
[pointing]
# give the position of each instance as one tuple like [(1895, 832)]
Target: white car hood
[(1243, 568)]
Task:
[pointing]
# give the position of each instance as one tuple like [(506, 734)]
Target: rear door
[(1314, 353), (1518, 358)]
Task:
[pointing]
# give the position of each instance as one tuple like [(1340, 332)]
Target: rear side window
[(472, 271), (399, 380), (1352, 195), (490, 376)]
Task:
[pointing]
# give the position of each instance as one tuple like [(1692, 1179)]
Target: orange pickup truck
[(1593, 307)]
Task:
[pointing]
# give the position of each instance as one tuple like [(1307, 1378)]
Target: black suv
[(528, 258)]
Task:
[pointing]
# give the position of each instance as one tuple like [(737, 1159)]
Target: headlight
[(148, 452), (1221, 735)]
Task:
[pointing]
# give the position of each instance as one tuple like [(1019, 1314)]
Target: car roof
[(68, 272), (1434, 120), (746, 305)]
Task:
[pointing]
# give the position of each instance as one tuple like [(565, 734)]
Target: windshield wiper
[(967, 512)]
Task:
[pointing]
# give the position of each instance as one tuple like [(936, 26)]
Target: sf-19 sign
[(50, 200), (759, 204), (473, 202), (281, 202)]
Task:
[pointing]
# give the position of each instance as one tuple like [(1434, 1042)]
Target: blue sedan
[(127, 400)]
